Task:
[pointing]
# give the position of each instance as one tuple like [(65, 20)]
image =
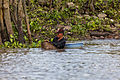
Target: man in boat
[(59, 41)]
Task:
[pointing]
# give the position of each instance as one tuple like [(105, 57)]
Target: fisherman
[(59, 41)]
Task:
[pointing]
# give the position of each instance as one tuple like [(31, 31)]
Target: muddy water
[(99, 60)]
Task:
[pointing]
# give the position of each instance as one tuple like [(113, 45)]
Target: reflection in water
[(99, 60)]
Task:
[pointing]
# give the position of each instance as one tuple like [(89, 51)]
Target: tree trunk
[(28, 4), (10, 2), (2, 27), (0, 39), (27, 22), (14, 14), (7, 17), (1, 21), (15, 9), (19, 22), (89, 6), (92, 5)]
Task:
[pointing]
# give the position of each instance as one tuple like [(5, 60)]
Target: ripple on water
[(95, 62)]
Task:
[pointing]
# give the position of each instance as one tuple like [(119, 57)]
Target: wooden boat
[(48, 46), (74, 45)]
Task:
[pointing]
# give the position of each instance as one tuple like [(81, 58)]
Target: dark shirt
[(59, 44)]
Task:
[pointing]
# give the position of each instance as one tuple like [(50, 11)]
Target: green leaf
[(11, 36), (51, 39), (6, 43), (11, 40)]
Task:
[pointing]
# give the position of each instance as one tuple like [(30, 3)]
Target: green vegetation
[(13, 43), (80, 15)]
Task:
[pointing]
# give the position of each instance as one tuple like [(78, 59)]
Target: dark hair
[(61, 30)]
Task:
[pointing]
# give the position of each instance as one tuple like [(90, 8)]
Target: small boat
[(74, 45), (48, 46)]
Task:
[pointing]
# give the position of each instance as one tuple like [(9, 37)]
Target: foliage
[(45, 16), (13, 43), (41, 15)]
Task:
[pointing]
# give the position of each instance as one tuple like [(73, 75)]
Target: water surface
[(99, 60)]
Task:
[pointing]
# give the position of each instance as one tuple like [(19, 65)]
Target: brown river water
[(98, 60)]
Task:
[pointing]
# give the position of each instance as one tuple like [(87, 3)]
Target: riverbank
[(97, 20)]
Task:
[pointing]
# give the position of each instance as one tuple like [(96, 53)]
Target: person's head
[(60, 33)]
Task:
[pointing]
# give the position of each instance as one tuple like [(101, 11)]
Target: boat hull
[(74, 45), (48, 46)]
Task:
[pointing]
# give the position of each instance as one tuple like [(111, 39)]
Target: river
[(98, 60)]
